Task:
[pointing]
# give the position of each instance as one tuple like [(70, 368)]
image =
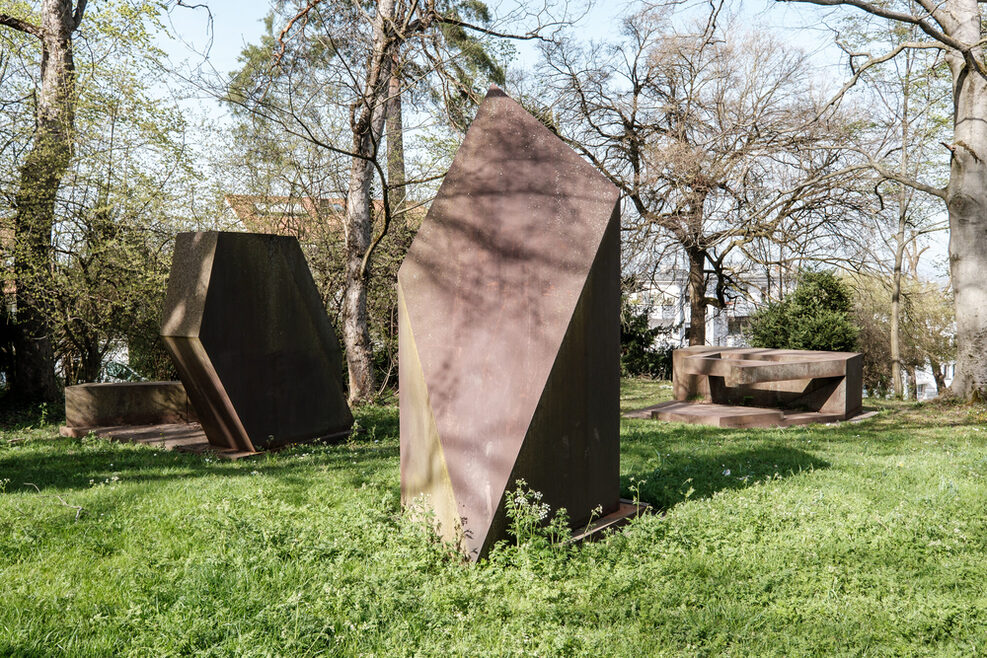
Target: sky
[(229, 25), (235, 24)]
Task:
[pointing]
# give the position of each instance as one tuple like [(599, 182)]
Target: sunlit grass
[(852, 539)]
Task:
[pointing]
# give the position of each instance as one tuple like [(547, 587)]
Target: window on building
[(737, 324)]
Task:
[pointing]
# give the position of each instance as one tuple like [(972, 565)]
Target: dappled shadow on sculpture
[(508, 333), (751, 387), (245, 326)]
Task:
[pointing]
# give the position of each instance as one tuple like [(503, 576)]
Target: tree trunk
[(899, 249), (356, 332), (913, 384), (395, 143), (939, 376), (40, 177), (896, 305), (966, 198), (367, 131), (92, 361), (697, 296)]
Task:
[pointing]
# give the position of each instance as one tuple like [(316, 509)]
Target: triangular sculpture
[(509, 338), (245, 326)]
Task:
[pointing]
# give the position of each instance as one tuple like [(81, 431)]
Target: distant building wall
[(667, 302)]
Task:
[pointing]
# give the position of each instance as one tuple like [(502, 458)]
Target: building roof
[(285, 215)]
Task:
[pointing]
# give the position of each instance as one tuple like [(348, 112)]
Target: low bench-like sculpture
[(93, 406), (158, 414), (751, 387)]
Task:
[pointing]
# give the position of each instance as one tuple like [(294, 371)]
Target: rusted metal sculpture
[(245, 326), (509, 337), (751, 387)]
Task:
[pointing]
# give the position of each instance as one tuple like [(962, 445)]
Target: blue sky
[(236, 24)]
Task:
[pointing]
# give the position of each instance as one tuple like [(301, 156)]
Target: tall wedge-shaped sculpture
[(245, 326), (509, 336)]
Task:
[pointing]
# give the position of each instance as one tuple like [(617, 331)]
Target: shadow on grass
[(682, 476), (669, 463), (17, 415), (76, 463)]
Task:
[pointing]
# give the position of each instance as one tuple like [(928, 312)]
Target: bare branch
[(80, 10), (907, 180), (79, 510), (21, 25), (527, 36), (870, 63), (924, 25), (209, 23), (302, 15)]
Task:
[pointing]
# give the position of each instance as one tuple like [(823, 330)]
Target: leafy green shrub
[(814, 316), (638, 353), (147, 354)]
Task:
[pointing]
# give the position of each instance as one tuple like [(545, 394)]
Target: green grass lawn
[(856, 539)]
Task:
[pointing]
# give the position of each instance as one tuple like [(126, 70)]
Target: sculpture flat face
[(250, 338), (509, 338)]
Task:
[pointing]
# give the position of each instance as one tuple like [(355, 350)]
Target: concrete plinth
[(180, 437), (725, 415), (127, 403)]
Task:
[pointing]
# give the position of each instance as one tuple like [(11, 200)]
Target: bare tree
[(358, 44), (956, 27), (710, 135), (907, 121), (41, 175)]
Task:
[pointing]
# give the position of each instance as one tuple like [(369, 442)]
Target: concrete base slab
[(863, 416), (181, 437), (627, 510), (644, 413), (723, 415)]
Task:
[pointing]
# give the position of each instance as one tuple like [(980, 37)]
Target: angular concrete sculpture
[(245, 326), (509, 338), (751, 387)]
